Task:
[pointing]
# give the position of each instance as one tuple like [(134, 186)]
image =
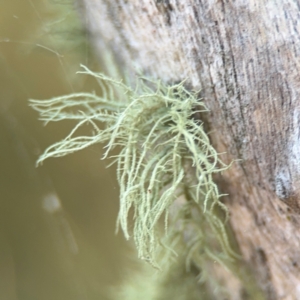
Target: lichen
[(165, 164), (173, 282)]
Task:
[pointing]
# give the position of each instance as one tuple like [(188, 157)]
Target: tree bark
[(244, 56)]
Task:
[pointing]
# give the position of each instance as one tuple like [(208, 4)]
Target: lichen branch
[(165, 155)]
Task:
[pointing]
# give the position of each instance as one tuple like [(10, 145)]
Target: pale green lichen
[(165, 157), (60, 27), (173, 282)]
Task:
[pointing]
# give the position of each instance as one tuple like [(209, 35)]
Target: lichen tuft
[(165, 160)]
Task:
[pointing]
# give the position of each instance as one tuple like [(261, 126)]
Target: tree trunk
[(244, 56)]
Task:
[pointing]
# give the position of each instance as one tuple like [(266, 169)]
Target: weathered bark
[(244, 55)]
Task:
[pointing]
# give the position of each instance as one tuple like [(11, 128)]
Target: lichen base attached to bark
[(165, 160)]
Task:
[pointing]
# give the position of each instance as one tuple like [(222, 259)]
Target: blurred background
[(57, 221)]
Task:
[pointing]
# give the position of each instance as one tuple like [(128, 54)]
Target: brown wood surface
[(245, 56)]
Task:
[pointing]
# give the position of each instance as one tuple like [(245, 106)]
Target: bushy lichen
[(173, 282), (165, 160), (60, 28)]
